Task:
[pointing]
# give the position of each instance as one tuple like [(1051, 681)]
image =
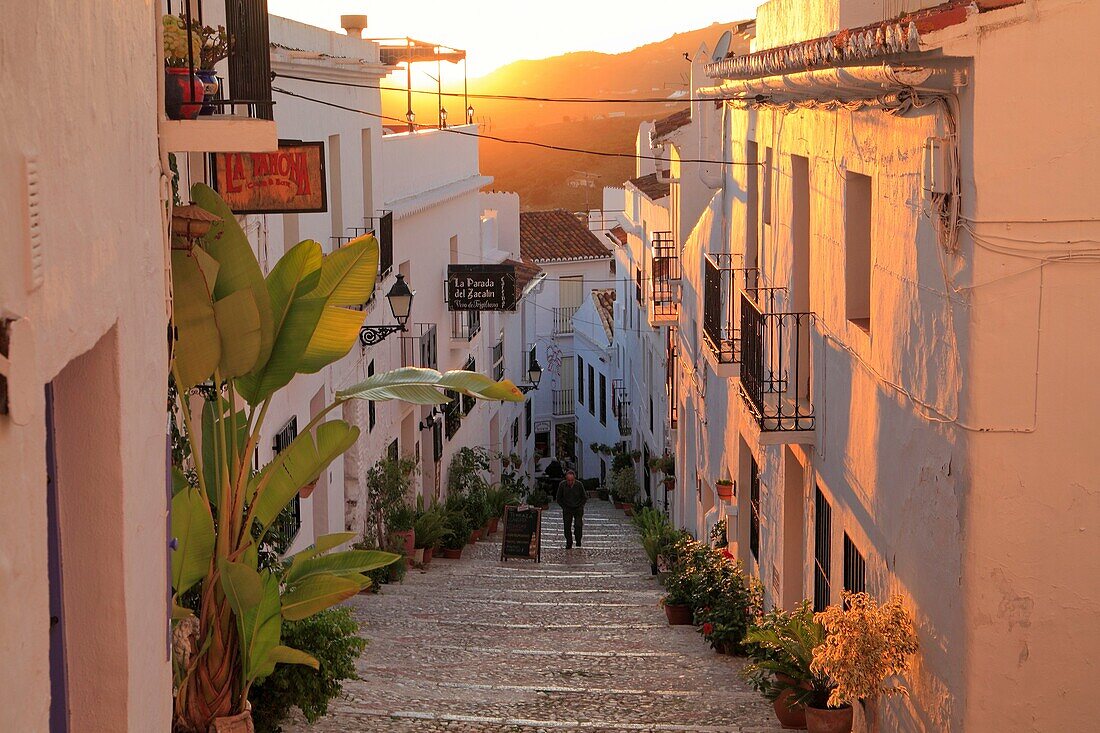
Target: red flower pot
[(452, 554), (475, 535), (792, 717), (493, 523), (725, 491), (678, 614), (829, 720), (406, 539), (181, 90), (428, 554)]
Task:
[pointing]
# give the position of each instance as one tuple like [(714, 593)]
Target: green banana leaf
[(425, 387), (324, 543), (210, 467), (254, 598), (315, 594), (238, 318), (198, 349), (227, 243), (298, 465), (341, 563), (285, 655), (296, 274), (193, 529)]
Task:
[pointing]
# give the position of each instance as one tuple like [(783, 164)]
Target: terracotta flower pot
[(493, 523), (418, 556), (452, 554), (829, 720), (725, 491), (406, 539), (793, 717), (428, 552), (475, 535), (678, 614), (629, 509)]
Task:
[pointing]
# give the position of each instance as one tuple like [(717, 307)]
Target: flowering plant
[(175, 42), (865, 645), (728, 605)]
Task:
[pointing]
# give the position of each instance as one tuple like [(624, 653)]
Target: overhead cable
[(512, 141)]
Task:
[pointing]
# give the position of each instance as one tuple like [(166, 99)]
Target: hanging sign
[(481, 287), (522, 533), (290, 180)]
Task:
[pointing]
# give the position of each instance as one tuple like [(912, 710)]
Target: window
[(754, 508), (752, 206), (437, 441), (580, 380), (823, 530), (515, 432), (335, 199), (372, 417), (452, 413), (651, 413), (468, 402), (527, 418), (392, 450), (638, 285), (857, 249), (855, 569), (603, 400), (591, 391), (766, 189)]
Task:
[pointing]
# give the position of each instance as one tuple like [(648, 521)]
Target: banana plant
[(237, 339)]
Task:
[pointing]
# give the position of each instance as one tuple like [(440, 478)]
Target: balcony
[(564, 403), (563, 319), (452, 414), (465, 325), (620, 407), (421, 348), (238, 115), (775, 367), (722, 281), (665, 281), (671, 361)]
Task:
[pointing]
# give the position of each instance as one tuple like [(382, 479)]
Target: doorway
[(792, 582)]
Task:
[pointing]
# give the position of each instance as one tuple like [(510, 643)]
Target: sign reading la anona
[(481, 287), (287, 181)]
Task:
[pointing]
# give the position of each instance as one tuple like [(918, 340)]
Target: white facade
[(930, 442), (597, 365)]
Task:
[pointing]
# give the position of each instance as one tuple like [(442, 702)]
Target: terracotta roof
[(618, 234), (671, 124), (897, 36), (604, 301), (651, 186), (525, 273), (557, 235)]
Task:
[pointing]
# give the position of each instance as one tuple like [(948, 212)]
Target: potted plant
[(624, 487), (229, 596), (388, 482), (431, 528), (540, 498), (732, 601), (865, 645), (214, 46), (458, 534), (399, 522), (725, 489), (182, 89), (679, 587), (780, 645)]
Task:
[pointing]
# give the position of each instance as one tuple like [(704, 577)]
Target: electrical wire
[(519, 97), (511, 141)]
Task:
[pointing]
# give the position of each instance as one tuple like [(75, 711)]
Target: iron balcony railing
[(421, 348), (672, 357), (249, 59), (564, 402), (563, 319), (465, 324), (775, 363), (286, 525), (452, 414), (620, 406), (722, 280), (665, 277), (382, 226), (468, 402)]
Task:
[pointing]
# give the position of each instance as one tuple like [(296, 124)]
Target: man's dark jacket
[(571, 497)]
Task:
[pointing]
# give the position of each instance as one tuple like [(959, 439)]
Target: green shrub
[(332, 637), (458, 529), (624, 485), (430, 526)]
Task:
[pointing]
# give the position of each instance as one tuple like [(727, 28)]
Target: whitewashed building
[(573, 261), (880, 336), (598, 371)]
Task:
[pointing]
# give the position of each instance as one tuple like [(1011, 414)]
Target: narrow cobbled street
[(577, 642)]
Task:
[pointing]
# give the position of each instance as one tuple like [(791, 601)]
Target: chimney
[(354, 24)]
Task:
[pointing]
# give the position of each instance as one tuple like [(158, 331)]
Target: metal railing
[(721, 320), (287, 524), (422, 348), (563, 319), (497, 355), (775, 363), (452, 415), (382, 226), (665, 276), (620, 406), (564, 404), (249, 58), (465, 324), (673, 353)]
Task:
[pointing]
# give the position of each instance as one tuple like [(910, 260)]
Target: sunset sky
[(496, 32)]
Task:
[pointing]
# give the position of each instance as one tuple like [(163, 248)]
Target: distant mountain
[(546, 178)]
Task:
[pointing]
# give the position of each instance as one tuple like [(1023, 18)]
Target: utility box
[(939, 167)]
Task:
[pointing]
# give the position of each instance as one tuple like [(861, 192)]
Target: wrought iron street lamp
[(400, 299), (534, 374)]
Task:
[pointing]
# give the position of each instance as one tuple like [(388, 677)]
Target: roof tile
[(557, 235)]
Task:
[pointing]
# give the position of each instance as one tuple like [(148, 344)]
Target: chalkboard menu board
[(522, 533)]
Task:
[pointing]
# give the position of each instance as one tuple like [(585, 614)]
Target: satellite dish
[(723, 46)]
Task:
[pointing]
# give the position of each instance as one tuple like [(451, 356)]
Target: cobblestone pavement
[(577, 642)]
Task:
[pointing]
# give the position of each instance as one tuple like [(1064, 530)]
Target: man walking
[(572, 497)]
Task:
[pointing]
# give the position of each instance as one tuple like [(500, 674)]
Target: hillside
[(542, 177)]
